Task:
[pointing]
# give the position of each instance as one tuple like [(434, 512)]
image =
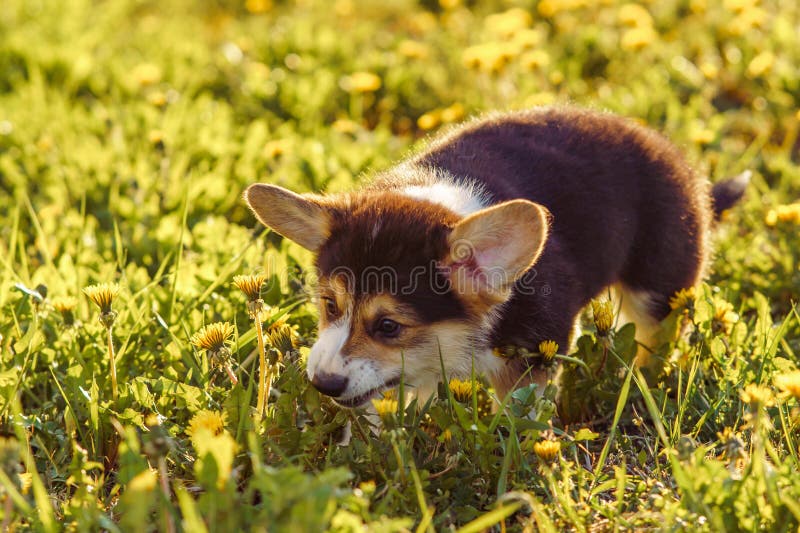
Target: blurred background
[(130, 128), (125, 109)]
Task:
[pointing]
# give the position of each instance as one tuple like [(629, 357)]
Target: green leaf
[(490, 519), (585, 434)]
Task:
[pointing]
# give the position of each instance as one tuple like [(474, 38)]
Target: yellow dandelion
[(429, 120), (213, 337), (549, 8), (102, 295), (142, 482), (760, 64), (534, 60), (637, 38), (757, 396), (157, 98), (788, 214), (282, 336), (385, 407), (146, 74), (66, 307), (45, 143), (211, 421), (733, 446), (710, 70), (634, 15), (509, 22), (344, 125), (738, 6), (603, 312), (250, 285), (25, 482), (528, 38), (462, 390), (556, 77), (452, 113), (344, 8), (276, 147), (258, 6), (547, 450), (698, 6), (540, 99), (789, 384), (683, 299), (392, 395), (362, 82), (771, 218), (221, 449), (413, 49), (754, 17), (471, 58), (548, 349), (702, 136), (447, 435), (489, 57), (423, 22), (724, 316), (367, 487), (156, 137)]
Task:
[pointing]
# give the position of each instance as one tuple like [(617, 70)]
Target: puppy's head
[(404, 284)]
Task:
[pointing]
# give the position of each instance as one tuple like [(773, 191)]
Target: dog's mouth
[(361, 399)]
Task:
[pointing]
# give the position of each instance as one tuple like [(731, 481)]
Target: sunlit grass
[(128, 132)]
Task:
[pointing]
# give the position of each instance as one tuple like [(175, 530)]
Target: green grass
[(128, 130)]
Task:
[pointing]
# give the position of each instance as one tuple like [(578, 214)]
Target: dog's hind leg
[(643, 309)]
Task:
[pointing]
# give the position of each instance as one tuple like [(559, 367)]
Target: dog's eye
[(387, 328), (330, 307)]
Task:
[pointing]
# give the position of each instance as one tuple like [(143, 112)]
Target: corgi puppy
[(498, 234)]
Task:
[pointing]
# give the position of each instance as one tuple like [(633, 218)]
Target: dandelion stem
[(263, 383), (231, 375), (112, 363), (575, 360), (9, 509), (164, 475), (602, 361)]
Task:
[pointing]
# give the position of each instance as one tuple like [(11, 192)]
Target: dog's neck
[(462, 196)]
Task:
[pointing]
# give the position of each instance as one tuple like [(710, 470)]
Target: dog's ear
[(492, 248), (304, 219)]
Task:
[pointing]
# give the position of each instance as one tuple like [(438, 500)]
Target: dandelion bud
[(548, 349), (212, 338), (547, 450), (102, 295), (462, 390), (603, 312), (386, 407), (757, 397), (66, 307)]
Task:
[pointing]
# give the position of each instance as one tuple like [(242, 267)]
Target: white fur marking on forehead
[(463, 198)]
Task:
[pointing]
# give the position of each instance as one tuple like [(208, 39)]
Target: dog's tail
[(726, 193)]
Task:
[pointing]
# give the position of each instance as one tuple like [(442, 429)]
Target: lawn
[(130, 128)]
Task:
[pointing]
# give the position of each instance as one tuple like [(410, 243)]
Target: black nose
[(330, 384)]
